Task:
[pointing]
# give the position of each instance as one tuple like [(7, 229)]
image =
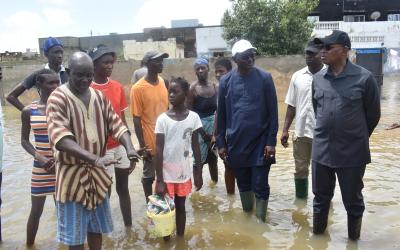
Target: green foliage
[(273, 26)]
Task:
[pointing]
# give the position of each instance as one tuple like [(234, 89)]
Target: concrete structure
[(357, 10), (183, 23), (364, 34), (136, 50), (210, 43)]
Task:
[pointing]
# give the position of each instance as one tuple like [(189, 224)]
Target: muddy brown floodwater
[(215, 220)]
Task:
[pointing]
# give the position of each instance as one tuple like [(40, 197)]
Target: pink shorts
[(179, 189)]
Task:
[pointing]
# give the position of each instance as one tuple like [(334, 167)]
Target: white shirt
[(177, 162), (299, 96)]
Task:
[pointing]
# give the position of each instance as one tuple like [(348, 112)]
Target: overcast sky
[(21, 24)]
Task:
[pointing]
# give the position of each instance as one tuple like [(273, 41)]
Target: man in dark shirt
[(247, 126), (53, 50), (347, 109)]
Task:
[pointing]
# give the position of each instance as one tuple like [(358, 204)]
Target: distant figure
[(247, 126), (33, 117), (103, 60), (80, 119), (54, 51), (149, 99), (222, 67), (299, 107), (176, 136), (139, 73), (202, 99), (347, 109)]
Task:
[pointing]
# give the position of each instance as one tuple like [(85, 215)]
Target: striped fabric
[(42, 183), (67, 115)]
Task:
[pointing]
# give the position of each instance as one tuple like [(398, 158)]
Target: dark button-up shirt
[(347, 109), (247, 116)]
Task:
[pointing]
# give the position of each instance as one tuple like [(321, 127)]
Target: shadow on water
[(215, 220)]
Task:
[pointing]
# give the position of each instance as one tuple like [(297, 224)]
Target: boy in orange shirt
[(149, 99), (103, 60)]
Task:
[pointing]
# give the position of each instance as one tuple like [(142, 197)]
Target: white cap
[(241, 46)]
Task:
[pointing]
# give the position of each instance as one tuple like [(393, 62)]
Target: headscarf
[(201, 61)]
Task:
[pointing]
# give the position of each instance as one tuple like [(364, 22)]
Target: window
[(394, 17), (313, 19), (354, 18)]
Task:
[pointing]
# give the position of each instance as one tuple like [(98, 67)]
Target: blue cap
[(50, 43)]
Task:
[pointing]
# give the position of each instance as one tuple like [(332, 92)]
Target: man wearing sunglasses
[(247, 126), (347, 109)]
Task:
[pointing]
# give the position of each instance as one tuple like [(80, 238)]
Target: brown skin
[(55, 57), (81, 74), (202, 87), (103, 67), (244, 66), (49, 84), (154, 67), (335, 58), (220, 71), (314, 63), (178, 112)]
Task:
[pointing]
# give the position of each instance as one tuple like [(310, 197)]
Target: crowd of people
[(82, 140)]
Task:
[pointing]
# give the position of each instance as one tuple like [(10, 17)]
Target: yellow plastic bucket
[(160, 225)]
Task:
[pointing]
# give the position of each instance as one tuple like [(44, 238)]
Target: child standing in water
[(176, 136), (43, 179)]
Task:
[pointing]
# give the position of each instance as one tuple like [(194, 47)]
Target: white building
[(364, 34), (136, 50), (210, 43)]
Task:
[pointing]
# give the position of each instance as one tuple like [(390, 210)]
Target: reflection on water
[(215, 220)]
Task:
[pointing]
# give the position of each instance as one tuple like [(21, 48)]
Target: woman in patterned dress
[(33, 118)]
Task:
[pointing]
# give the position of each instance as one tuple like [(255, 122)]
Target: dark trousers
[(350, 182), (253, 179)]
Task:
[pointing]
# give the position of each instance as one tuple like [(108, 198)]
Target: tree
[(273, 26)]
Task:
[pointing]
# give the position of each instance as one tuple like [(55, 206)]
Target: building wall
[(333, 10), (364, 34), (210, 40), (135, 50)]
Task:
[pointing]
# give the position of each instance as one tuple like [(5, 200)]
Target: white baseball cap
[(241, 46)]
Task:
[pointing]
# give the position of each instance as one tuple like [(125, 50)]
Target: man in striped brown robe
[(79, 121)]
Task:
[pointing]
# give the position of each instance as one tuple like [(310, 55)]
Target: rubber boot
[(301, 188), (353, 227), (147, 184), (247, 199), (320, 221), (261, 209)]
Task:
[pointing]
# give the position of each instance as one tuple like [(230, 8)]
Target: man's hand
[(393, 126), (161, 188), (145, 153), (285, 138), (47, 163), (222, 152), (104, 162), (198, 177), (133, 157), (269, 151)]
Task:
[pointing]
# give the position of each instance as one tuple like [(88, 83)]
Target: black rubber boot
[(353, 227), (261, 209), (247, 199), (301, 188), (320, 221)]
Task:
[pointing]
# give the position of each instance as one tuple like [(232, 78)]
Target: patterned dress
[(42, 183)]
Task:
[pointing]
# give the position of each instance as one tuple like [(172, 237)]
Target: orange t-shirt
[(114, 91), (148, 101)]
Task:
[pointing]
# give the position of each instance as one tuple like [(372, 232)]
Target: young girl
[(176, 136), (43, 172)]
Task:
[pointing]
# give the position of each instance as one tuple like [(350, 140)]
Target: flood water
[(215, 220)]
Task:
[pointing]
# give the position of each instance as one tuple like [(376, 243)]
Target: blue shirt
[(247, 116)]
